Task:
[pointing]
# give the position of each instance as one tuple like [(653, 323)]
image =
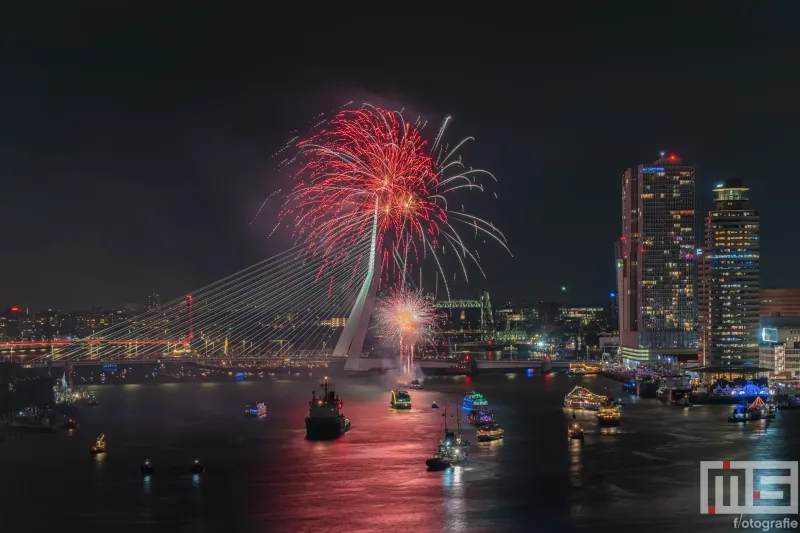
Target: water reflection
[(455, 507)]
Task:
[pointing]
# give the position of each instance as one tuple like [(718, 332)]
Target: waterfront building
[(780, 350), (730, 279), (655, 261)]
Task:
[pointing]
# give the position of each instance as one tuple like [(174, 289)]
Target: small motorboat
[(434, 405), (99, 446), (147, 468), (198, 467), (575, 432), (70, 424)]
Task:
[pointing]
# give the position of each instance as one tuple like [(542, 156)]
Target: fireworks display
[(406, 318), (369, 165)]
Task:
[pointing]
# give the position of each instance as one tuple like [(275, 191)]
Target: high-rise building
[(153, 300), (780, 302), (656, 268), (730, 279)]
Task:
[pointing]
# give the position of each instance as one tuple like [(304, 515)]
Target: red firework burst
[(369, 165)]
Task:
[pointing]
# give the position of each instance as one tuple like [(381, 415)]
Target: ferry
[(401, 399), (490, 432), (581, 398), (609, 416), (255, 409), (324, 420), (473, 400), (480, 416)]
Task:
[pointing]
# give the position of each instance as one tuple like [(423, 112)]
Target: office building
[(780, 302), (655, 261), (729, 280)]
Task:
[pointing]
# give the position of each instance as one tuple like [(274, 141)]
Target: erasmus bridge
[(294, 305)]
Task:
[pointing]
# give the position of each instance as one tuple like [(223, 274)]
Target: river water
[(262, 475)]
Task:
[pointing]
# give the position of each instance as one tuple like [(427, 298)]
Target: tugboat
[(473, 400), (441, 460), (255, 409), (415, 384), (147, 467), (575, 432), (324, 421), (99, 445), (490, 432), (401, 399), (480, 416)]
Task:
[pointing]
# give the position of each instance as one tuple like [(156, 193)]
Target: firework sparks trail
[(370, 164)]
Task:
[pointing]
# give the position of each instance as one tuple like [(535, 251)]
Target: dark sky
[(135, 143)]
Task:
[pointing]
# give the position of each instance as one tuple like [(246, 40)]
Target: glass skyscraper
[(730, 280), (655, 260)]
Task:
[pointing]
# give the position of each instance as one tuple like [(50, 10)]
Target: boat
[(147, 467), (92, 399), (401, 399), (747, 413), (255, 409), (609, 415), (415, 384), (575, 432), (480, 416), (683, 401), (441, 459), (434, 405), (581, 398), (198, 467), (100, 445), (324, 420), (490, 432), (474, 399)]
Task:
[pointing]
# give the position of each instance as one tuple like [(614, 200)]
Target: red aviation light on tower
[(14, 309), (672, 157)]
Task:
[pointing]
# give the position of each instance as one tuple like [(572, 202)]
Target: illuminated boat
[(454, 441), (415, 384), (147, 468), (324, 420), (747, 413), (473, 400), (401, 399), (100, 445), (490, 432), (255, 409), (575, 432), (581, 398), (480, 416), (609, 416)]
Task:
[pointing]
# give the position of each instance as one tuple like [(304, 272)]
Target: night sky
[(135, 144)]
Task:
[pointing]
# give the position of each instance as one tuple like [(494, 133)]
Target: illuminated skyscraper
[(730, 280), (655, 260)]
